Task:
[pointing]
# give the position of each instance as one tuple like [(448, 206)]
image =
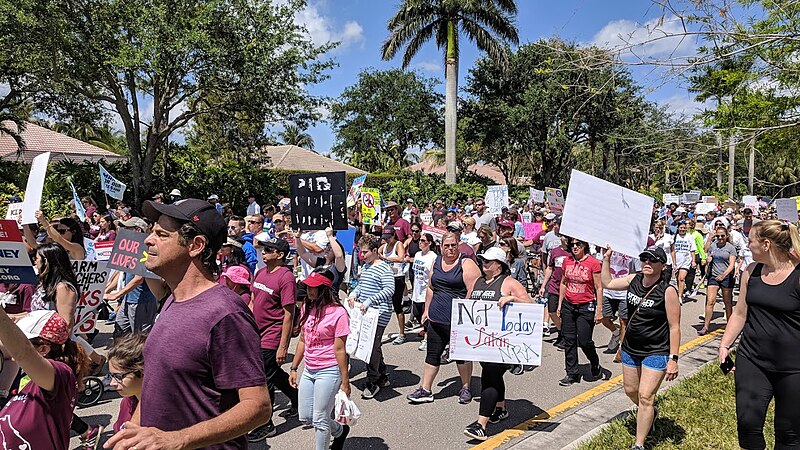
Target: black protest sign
[(319, 201), (130, 253)]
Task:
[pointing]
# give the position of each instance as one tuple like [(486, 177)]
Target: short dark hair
[(186, 233), (127, 353), (239, 220)]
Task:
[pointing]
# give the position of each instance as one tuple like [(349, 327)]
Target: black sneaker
[(370, 390), (597, 373), (516, 369), (569, 380), (559, 344), (475, 431), (261, 433), (383, 381), (290, 413), (338, 442), (499, 414)]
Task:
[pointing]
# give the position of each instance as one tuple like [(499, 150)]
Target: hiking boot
[(499, 414), (475, 431), (464, 395), (420, 396)]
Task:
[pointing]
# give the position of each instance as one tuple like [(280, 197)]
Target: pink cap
[(238, 275)]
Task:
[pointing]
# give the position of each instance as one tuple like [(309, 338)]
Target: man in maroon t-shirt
[(273, 303), (402, 229), (204, 383)]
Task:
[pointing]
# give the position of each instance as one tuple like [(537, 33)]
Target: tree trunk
[(731, 157), (719, 164), (751, 166), (451, 103)]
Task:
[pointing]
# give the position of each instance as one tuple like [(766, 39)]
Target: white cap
[(495, 254), (176, 193)]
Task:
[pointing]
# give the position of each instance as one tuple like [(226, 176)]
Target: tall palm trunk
[(451, 103)]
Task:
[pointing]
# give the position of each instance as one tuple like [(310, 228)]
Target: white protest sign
[(497, 198), (362, 332), (437, 233), (426, 217), (92, 278), (690, 197), (703, 208), (15, 213), (786, 209), (710, 199), (33, 191), (601, 213), (482, 331), (555, 197), (750, 200), (537, 195), (112, 186), (670, 198)]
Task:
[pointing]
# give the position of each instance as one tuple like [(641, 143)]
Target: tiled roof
[(428, 167), (292, 157), (39, 140)]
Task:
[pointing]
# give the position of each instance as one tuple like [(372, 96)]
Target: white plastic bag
[(345, 410)]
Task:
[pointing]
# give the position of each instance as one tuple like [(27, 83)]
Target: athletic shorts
[(652, 362), (612, 306), (552, 303), (728, 283)]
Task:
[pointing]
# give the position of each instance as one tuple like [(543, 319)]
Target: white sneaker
[(423, 346)]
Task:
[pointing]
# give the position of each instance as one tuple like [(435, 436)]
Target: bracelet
[(293, 369)]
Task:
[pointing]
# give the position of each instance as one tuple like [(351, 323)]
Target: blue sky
[(360, 25)]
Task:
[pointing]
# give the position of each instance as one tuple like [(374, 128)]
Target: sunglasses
[(233, 227), (576, 244), (268, 250), (647, 259), (503, 244), (424, 240), (277, 221), (120, 377), (252, 222), (415, 231), (62, 230), (449, 245)]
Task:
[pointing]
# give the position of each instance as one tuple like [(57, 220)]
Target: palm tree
[(487, 23), (293, 135)]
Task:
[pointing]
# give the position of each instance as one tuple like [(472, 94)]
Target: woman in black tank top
[(768, 316), (652, 336), (494, 286)]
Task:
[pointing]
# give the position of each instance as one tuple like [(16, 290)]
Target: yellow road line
[(506, 435)]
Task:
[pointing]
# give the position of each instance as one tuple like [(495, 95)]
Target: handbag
[(345, 410)]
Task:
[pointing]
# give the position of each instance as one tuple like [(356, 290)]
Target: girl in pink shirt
[(325, 325)]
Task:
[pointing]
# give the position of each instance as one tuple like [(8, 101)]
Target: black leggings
[(397, 297), (755, 388), (493, 387), (438, 339)]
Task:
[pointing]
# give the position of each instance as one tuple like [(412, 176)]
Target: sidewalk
[(574, 421)]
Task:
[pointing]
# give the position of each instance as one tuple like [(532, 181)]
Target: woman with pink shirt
[(325, 325)]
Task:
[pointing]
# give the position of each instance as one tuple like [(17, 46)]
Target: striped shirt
[(375, 289)]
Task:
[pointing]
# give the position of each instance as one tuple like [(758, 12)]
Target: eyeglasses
[(120, 377), (449, 245)]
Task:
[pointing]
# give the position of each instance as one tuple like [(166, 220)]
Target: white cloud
[(651, 40), (429, 66), (322, 29), (685, 104)]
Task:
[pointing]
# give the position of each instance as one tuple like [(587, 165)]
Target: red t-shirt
[(271, 292), (578, 276), (35, 418), (126, 409)]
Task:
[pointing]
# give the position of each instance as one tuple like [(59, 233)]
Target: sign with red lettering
[(130, 253), (483, 331), (92, 278)]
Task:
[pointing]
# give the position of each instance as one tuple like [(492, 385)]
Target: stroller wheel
[(91, 393)]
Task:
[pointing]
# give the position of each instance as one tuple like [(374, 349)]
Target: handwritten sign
[(112, 186), (690, 197), (601, 213), (786, 209), (33, 191), (555, 197), (497, 198), (670, 198), (129, 254), (710, 199), (92, 278), (704, 208), (15, 264), (318, 200), (537, 195), (362, 332), (482, 331), (532, 229), (14, 213), (370, 206), (426, 217)]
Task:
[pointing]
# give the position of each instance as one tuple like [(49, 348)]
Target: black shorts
[(552, 303), (728, 283), (397, 297)]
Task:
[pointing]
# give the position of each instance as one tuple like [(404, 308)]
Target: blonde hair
[(783, 235), (468, 221)]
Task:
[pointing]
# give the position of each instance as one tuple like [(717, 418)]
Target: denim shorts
[(652, 362)]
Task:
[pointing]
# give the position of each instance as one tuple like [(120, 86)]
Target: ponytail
[(784, 235), (69, 353)]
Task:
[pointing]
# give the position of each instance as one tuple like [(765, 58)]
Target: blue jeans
[(316, 393)]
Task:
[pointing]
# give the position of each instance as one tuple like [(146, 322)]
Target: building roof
[(292, 157), (487, 170), (40, 140)]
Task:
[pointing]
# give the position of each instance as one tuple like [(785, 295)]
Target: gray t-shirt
[(720, 257), (486, 219)]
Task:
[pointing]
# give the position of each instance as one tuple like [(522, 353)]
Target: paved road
[(389, 421)]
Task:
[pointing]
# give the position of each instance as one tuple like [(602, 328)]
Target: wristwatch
[(293, 369), (674, 357)]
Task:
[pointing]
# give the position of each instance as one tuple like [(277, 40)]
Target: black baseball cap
[(278, 244), (199, 212), (655, 252)]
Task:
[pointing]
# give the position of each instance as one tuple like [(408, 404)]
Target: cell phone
[(726, 365)]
